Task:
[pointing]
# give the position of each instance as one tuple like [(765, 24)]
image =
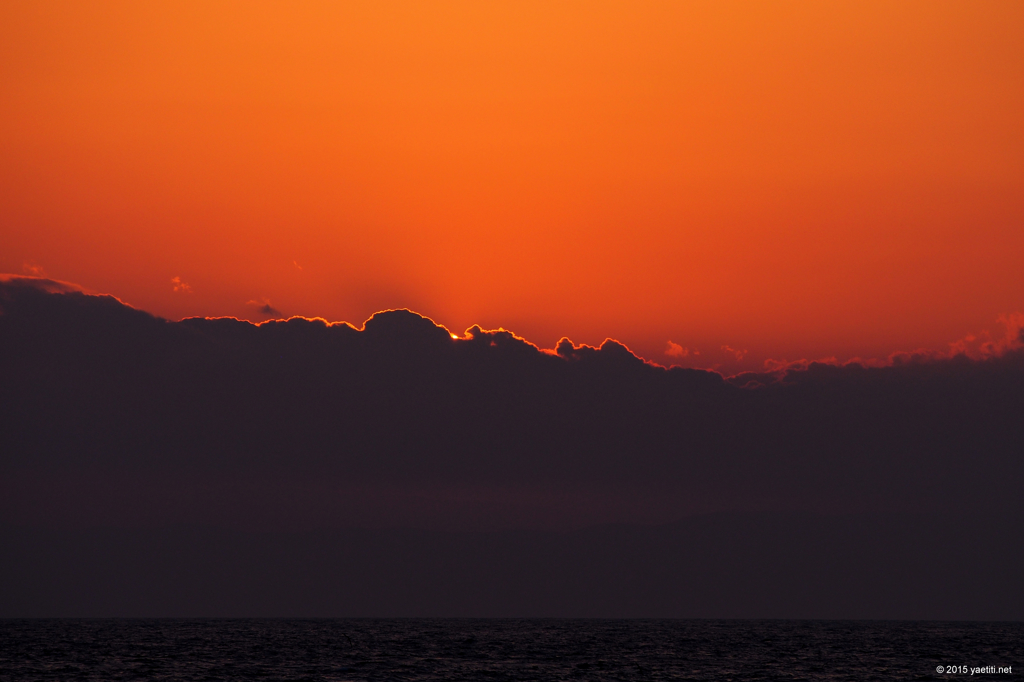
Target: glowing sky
[(799, 179)]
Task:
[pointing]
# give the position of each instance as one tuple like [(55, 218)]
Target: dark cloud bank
[(215, 467)]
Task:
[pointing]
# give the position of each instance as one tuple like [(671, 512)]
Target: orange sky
[(800, 179)]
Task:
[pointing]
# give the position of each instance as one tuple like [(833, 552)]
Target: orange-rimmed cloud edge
[(978, 346)]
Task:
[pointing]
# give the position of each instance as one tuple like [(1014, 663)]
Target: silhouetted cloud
[(986, 345), (53, 286), (981, 346), (109, 415)]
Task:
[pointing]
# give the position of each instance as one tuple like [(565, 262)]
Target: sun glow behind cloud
[(789, 180)]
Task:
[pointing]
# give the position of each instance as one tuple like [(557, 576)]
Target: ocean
[(506, 649)]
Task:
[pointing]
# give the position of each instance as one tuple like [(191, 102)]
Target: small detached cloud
[(296, 264), (674, 350), (181, 287), (30, 268), (738, 353), (264, 308)]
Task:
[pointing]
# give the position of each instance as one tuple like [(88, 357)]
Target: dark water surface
[(513, 649)]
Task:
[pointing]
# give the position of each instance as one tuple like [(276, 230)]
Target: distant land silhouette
[(217, 467)]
